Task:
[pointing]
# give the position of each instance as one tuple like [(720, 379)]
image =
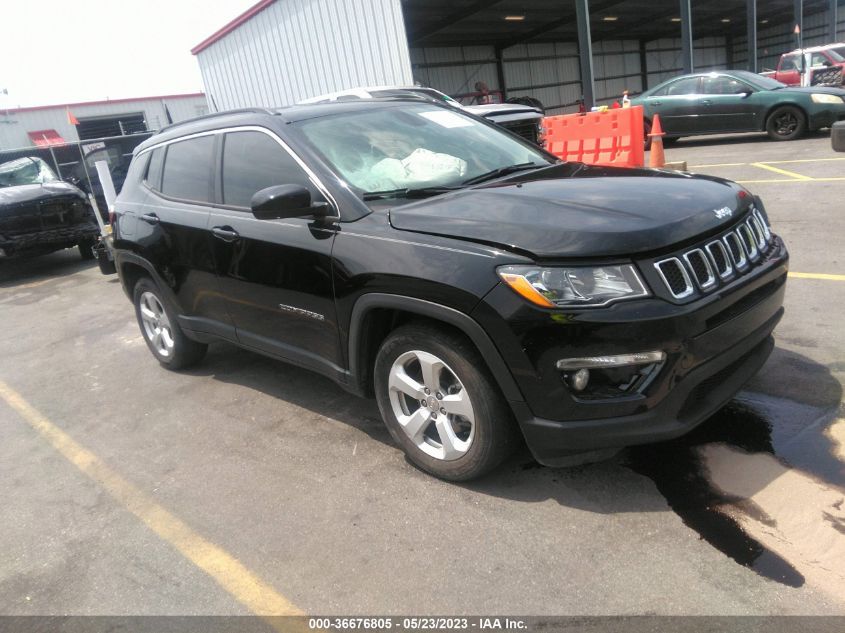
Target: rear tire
[(160, 330), (422, 362), (786, 123)]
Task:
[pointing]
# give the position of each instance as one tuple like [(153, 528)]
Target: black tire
[(184, 351), (667, 140), (786, 123), (494, 434), (86, 251)]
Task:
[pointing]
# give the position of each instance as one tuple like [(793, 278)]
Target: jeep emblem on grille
[(724, 212)]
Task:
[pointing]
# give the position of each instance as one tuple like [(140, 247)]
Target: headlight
[(575, 286), (819, 97)]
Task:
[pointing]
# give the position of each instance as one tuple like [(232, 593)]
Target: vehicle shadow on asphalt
[(793, 432), (737, 139), (743, 423), (26, 270), (300, 387)]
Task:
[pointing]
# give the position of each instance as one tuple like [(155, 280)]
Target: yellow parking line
[(245, 586), (833, 179), (718, 165), (771, 162), (818, 276), (780, 171), (801, 160)]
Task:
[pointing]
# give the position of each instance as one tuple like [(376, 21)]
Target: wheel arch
[(780, 104), (132, 267), (375, 315)]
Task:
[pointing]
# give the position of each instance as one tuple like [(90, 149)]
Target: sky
[(64, 51)]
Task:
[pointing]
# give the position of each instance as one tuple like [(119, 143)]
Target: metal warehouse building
[(281, 51), (71, 122)]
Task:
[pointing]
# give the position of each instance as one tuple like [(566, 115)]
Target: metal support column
[(585, 52), (798, 12), (686, 36), (500, 73), (729, 49), (834, 17), (751, 13), (643, 67)]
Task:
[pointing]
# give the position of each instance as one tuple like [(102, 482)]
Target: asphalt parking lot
[(248, 486)]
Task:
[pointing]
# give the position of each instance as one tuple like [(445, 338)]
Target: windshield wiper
[(501, 171), (419, 192)]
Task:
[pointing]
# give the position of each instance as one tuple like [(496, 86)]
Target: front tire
[(160, 330), (440, 404), (86, 249), (786, 123)]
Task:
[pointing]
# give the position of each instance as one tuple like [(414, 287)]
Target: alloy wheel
[(156, 324), (786, 123), (431, 405)]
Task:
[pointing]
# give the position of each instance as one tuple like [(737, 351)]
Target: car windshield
[(398, 151), (837, 54), (25, 171), (758, 81)]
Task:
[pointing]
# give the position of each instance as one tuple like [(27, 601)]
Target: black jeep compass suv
[(478, 287)]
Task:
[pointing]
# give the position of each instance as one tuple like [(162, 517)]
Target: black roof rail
[(212, 115)]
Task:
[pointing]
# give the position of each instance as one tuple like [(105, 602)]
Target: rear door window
[(253, 161), (722, 85), (688, 86), (187, 169)]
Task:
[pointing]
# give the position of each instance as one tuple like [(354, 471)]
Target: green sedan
[(728, 101)]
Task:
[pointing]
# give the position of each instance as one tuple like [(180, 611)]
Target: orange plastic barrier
[(614, 137)]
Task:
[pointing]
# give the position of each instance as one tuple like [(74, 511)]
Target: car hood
[(10, 196), (575, 210), (828, 90)]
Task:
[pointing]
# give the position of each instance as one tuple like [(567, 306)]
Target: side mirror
[(286, 201)]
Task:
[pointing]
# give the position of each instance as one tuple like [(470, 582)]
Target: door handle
[(150, 218), (226, 233), (707, 102), (656, 103)]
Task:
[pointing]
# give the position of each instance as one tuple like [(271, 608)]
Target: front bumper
[(713, 345), (699, 395), (826, 116), (48, 240)]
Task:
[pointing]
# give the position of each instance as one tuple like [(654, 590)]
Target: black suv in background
[(478, 287), (40, 214)]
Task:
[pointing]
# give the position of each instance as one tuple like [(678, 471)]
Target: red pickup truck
[(822, 65)]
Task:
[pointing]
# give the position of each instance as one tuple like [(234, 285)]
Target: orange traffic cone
[(656, 156)]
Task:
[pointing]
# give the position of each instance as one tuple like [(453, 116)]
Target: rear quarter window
[(152, 174), (188, 169)]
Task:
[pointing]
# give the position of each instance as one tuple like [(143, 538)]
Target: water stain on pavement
[(677, 471)]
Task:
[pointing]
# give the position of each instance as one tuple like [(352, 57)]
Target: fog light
[(600, 377), (578, 381)]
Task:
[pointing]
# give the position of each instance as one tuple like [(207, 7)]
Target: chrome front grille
[(731, 254), (675, 277), (720, 258)]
